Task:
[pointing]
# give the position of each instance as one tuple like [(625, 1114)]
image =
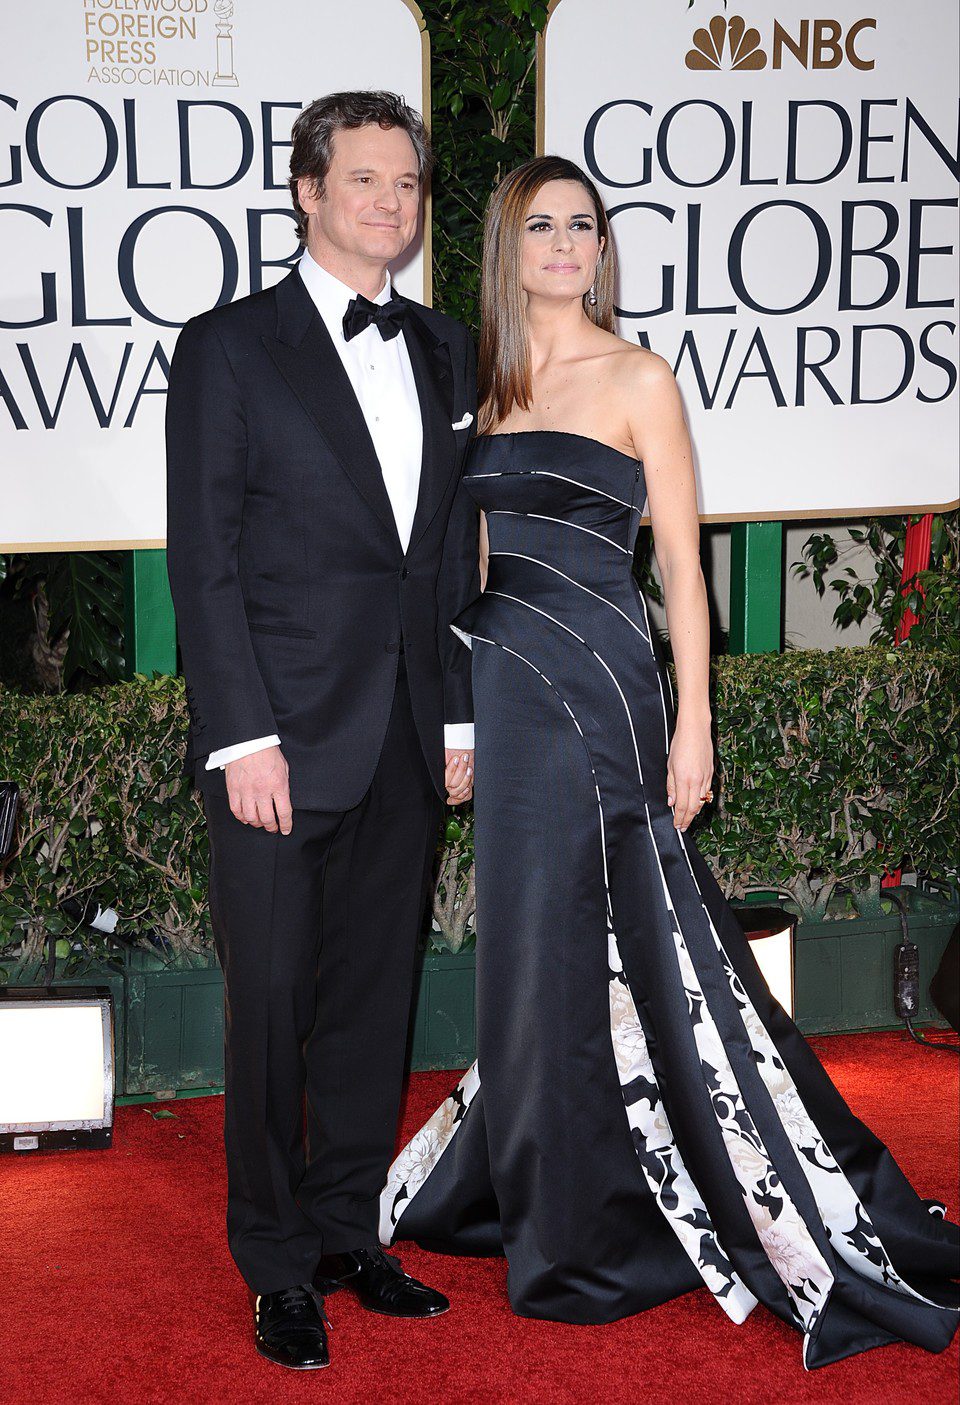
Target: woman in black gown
[(643, 1118)]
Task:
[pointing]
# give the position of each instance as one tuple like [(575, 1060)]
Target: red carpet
[(118, 1285)]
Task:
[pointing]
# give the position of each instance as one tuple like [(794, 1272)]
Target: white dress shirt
[(382, 379)]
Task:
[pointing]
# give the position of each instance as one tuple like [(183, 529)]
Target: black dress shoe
[(381, 1284), (290, 1328)]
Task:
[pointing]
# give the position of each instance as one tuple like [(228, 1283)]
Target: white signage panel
[(144, 155), (783, 195)]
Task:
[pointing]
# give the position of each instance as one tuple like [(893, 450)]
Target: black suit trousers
[(316, 933)]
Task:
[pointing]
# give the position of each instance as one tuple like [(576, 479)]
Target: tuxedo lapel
[(433, 373), (308, 361)]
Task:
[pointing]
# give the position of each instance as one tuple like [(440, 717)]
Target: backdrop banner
[(144, 153), (783, 194)]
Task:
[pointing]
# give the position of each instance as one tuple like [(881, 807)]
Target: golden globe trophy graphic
[(224, 76)]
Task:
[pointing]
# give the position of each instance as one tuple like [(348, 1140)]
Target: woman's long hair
[(503, 370)]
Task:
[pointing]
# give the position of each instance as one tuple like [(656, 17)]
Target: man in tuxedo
[(318, 546)]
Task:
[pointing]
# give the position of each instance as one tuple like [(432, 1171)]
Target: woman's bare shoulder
[(639, 368), (647, 396), (631, 368)]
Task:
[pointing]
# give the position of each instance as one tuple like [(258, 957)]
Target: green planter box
[(174, 1022), (844, 971), (444, 1024), (174, 1025)]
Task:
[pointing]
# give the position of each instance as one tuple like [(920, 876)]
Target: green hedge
[(105, 811), (830, 766)]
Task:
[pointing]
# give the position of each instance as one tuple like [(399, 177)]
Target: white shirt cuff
[(234, 753), (458, 736)]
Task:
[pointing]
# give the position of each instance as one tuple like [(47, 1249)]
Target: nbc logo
[(736, 46)]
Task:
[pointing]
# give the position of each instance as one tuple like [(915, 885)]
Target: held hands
[(459, 776), (258, 788), (689, 771)]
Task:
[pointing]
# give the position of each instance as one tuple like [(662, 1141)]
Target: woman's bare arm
[(661, 440)]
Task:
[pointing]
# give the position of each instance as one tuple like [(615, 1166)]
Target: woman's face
[(560, 242)]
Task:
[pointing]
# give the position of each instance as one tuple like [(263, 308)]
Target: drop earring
[(592, 295)]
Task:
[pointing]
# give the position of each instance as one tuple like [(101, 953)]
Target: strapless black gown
[(643, 1118)]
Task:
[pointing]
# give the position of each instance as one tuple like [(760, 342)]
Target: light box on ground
[(56, 1068), (770, 932)]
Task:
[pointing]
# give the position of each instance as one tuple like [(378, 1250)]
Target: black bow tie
[(387, 317)]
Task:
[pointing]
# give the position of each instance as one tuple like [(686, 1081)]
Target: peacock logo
[(740, 41)]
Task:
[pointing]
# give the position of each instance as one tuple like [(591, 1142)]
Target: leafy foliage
[(454, 902), (827, 763), (76, 602), (830, 765), (106, 812), (484, 119), (933, 595)]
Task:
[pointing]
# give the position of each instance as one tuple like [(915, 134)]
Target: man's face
[(371, 196)]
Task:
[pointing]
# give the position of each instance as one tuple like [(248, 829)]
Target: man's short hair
[(317, 125)]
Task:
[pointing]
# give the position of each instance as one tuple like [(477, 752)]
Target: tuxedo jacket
[(291, 587)]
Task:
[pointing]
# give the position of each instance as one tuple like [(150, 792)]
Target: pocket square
[(462, 424)]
